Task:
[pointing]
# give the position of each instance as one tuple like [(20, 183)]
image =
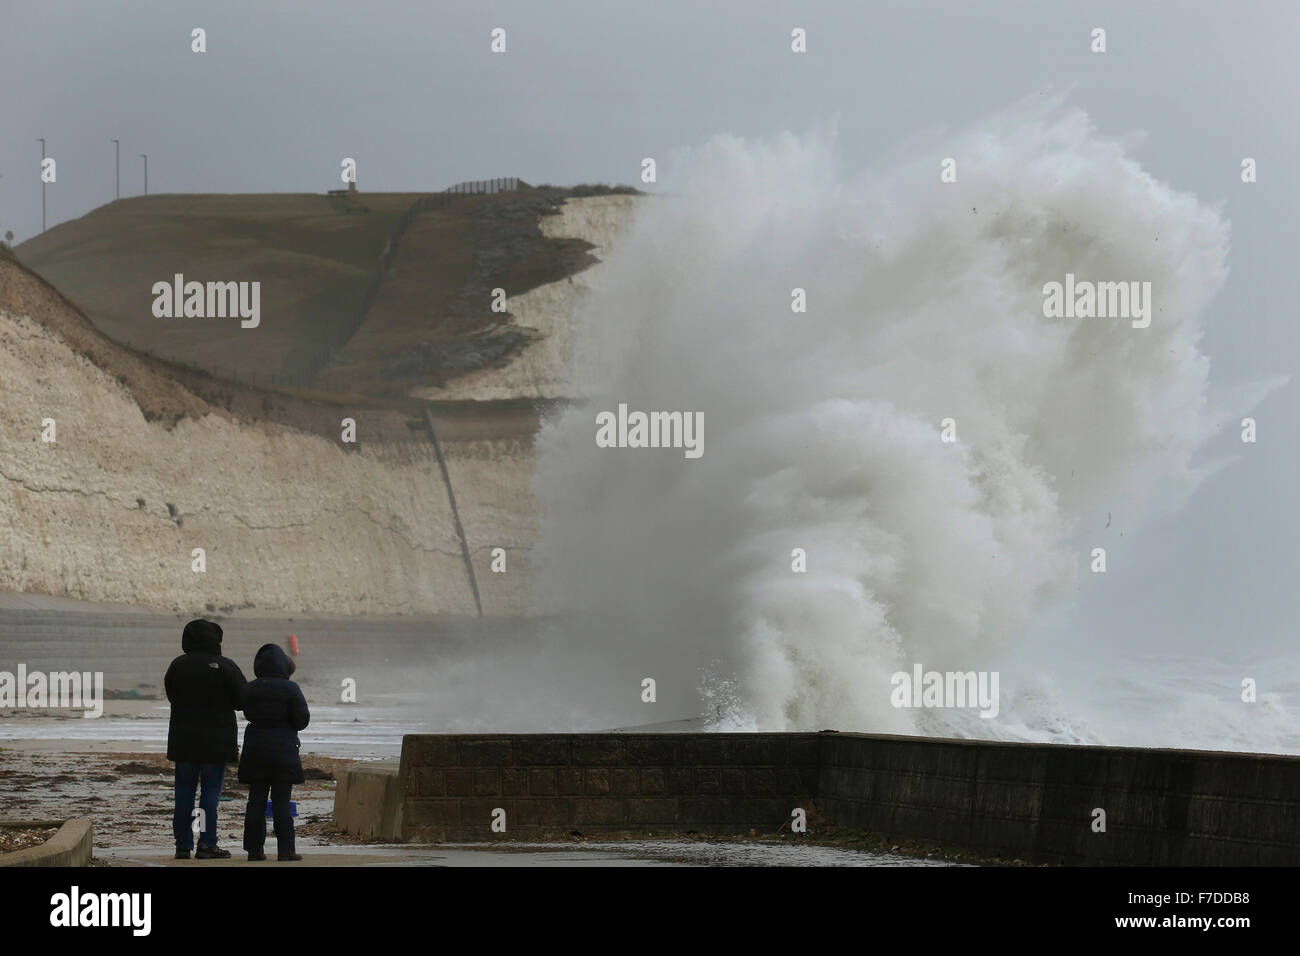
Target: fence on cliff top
[(503, 184)]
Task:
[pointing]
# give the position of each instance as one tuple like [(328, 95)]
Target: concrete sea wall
[(551, 784), (1037, 802), (1041, 801)]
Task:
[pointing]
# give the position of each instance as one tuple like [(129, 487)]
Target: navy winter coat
[(205, 690), (276, 711)]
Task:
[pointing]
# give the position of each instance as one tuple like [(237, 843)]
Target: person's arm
[(236, 686), (169, 683), (299, 715)]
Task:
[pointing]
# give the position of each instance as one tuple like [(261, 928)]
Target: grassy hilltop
[(317, 257), (312, 258)]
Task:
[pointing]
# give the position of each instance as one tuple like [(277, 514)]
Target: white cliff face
[(597, 219), (492, 480), (557, 364), (288, 521), (113, 509)]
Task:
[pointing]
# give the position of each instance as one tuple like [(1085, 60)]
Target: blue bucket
[(293, 808)]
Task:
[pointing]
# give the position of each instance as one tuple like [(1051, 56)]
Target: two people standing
[(205, 689)]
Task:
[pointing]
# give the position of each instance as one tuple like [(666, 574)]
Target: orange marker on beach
[(293, 644)]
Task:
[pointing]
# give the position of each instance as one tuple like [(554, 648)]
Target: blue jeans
[(188, 778)]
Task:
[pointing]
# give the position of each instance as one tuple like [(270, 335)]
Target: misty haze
[(388, 338)]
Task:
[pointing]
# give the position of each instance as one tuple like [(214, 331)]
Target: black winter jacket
[(276, 711), (205, 690)]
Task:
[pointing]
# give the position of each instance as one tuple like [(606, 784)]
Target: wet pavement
[(633, 853)]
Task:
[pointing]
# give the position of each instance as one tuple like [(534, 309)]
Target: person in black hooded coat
[(205, 689), (276, 711)]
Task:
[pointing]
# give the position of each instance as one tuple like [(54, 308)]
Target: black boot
[(211, 853), (288, 857), (182, 854)]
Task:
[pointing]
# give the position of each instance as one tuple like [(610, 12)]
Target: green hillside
[(429, 260), (314, 256)]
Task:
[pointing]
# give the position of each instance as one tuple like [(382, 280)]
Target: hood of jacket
[(201, 635), (272, 661)]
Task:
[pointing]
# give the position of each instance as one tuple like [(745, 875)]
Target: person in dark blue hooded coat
[(276, 711)]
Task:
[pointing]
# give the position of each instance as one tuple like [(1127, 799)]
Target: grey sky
[(410, 89)]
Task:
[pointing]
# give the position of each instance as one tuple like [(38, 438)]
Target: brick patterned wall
[(1036, 801), (603, 784), (1032, 802)]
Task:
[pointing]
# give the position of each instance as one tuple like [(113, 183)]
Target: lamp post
[(117, 170), (145, 157), (41, 140)]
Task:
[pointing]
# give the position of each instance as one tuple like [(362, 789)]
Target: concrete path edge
[(71, 846)]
